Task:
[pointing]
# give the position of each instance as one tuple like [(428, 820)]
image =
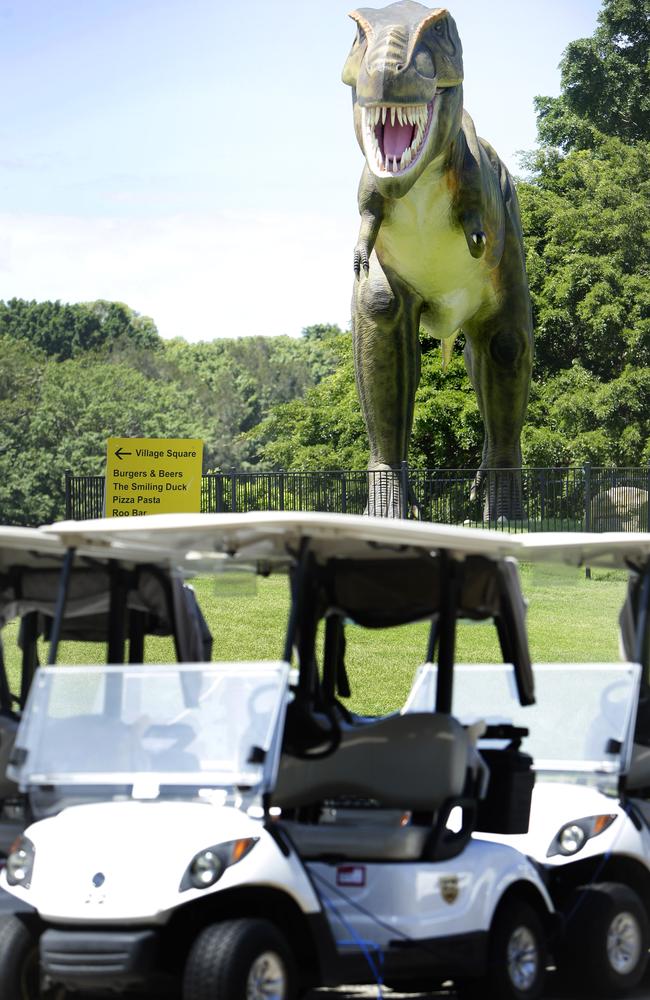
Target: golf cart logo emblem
[(449, 888), (96, 896)]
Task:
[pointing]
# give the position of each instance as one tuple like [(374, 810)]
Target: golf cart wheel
[(605, 946), (516, 957), (19, 965), (239, 960)]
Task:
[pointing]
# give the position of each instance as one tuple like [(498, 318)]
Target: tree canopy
[(71, 375), (605, 82)]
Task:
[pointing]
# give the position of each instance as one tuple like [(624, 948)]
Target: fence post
[(344, 495), (587, 471), (404, 471), (233, 492), (281, 484), (68, 494)]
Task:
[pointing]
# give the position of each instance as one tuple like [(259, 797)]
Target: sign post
[(153, 476)]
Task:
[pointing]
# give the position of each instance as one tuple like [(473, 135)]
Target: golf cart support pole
[(642, 624), (296, 600), (449, 588), (62, 595)]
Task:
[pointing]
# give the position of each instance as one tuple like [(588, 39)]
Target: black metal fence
[(582, 498)]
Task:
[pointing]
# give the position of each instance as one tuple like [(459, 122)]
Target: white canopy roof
[(197, 539), (275, 536), (612, 549)]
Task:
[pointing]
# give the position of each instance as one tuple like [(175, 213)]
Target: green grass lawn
[(570, 619)]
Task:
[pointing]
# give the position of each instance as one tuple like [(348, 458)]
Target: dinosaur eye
[(361, 35), (438, 26)]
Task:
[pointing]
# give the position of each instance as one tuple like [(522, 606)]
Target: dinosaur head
[(406, 70)]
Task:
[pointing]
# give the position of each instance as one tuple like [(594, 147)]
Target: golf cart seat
[(416, 762)]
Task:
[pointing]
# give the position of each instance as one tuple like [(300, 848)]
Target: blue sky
[(196, 159)]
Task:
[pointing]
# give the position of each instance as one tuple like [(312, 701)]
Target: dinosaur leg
[(385, 329), (498, 355)]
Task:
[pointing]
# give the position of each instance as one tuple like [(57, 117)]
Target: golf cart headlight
[(20, 862), (205, 869), (208, 865), (572, 837)]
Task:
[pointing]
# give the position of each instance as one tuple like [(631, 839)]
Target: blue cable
[(599, 868), (395, 931), (364, 946)]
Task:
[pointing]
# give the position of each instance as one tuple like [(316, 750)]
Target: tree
[(605, 83), (64, 331), (587, 257)]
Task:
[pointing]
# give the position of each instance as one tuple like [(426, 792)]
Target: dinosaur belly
[(419, 243)]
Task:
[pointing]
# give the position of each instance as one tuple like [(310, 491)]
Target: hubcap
[(523, 958), (623, 943), (267, 979)]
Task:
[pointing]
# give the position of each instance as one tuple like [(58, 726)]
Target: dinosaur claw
[(477, 242), (361, 261)]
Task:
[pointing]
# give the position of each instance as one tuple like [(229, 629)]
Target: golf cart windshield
[(581, 723), (200, 725)]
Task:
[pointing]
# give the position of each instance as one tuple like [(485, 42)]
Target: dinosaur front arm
[(371, 209)]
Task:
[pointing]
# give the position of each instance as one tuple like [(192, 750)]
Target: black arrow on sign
[(120, 454)]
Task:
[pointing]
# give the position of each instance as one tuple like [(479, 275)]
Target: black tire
[(516, 957), (226, 955), (604, 950), (19, 968)]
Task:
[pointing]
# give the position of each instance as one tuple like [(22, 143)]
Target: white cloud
[(199, 278)]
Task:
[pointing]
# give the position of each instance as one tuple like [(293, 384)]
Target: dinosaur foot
[(501, 493), (384, 492)]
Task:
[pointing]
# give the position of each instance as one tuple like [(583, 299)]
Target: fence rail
[(582, 498)]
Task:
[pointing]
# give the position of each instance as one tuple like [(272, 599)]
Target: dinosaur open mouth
[(394, 135)]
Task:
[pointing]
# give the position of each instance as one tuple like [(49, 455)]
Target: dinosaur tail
[(447, 347)]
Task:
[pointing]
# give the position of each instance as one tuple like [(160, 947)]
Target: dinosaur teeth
[(373, 124)]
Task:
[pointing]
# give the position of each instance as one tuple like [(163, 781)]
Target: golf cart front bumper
[(82, 959)]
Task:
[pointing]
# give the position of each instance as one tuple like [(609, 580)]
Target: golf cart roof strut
[(297, 594), (450, 571), (61, 597), (642, 623)]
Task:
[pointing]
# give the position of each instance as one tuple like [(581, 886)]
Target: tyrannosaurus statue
[(440, 247)]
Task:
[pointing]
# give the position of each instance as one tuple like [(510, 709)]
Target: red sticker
[(351, 875)]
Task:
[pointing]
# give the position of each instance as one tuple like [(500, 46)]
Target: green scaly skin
[(439, 248)]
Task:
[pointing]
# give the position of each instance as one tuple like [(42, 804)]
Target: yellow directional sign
[(153, 476)]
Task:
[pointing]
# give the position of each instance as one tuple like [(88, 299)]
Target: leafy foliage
[(65, 389), (73, 375), (587, 256), (604, 82), (65, 331)]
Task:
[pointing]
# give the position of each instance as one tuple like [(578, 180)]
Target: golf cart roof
[(610, 550), (32, 562), (378, 572), (30, 547), (275, 537)]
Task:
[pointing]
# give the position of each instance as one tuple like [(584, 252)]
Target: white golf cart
[(231, 831), (115, 598), (590, 816), (590, 733)]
